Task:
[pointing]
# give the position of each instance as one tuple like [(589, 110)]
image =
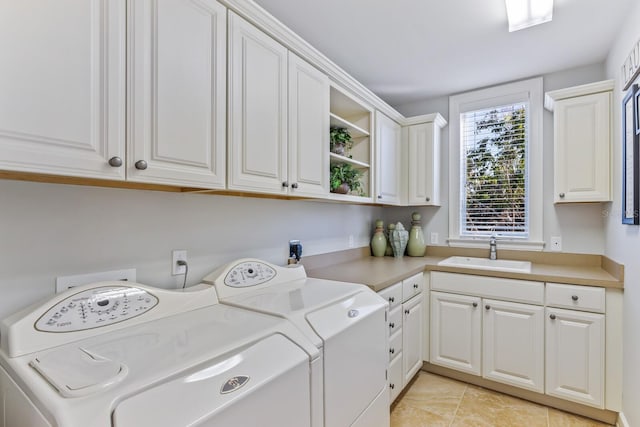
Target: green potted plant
[(340, 141), (344, 178)]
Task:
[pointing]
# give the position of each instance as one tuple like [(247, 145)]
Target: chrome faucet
[(493, 248)]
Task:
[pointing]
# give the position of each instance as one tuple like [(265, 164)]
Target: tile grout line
[(455, 413)]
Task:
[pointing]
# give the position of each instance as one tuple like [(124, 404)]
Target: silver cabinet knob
[(552, 316), (141, 165), (392, 325), (561, 195), (574, 297), (475, 304), (415, 286), (115, 161), (379, 196), (294, 185), (391, 299), (285, 184), (392, 350), (488, 307), (407, 312), (392, 386), (428, 199)]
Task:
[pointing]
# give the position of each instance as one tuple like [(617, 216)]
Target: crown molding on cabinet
[(436, 118), (268, 23), (572, 92)]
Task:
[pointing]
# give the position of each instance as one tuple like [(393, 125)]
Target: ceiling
[(410, 50)]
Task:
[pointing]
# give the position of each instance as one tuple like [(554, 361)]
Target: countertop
[(357, 266)]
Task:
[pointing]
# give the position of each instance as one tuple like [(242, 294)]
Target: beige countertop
[(357, 266)]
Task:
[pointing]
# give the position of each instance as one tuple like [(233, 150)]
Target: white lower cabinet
[(406, 319), (575, 351), (455, 332), (548, 338), (513, 344)]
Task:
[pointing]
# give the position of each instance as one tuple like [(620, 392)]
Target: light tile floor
[(433, 401)]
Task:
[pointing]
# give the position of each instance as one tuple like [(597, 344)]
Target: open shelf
[(354, 131), (337, 158)]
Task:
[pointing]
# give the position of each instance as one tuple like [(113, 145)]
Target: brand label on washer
[(234, 384)]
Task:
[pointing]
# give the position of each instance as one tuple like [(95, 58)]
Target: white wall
[(48, 230), (580, 226), (623, 241)]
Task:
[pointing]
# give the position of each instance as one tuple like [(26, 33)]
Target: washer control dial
[(250, 273), (97, 307)]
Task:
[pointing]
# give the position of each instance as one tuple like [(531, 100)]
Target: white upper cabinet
[(308, 172), (582, 142), (423, 160), (177, 92), (278, 117), (62, 86), (388, 158), (258, 110)]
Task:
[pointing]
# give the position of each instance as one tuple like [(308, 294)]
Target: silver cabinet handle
[(552, 316), (475, 304), (561, 195), (488, 307), (416, 286), (391, 299), (294, 185), (392, 386), (392, 350), (115, 161), (574, 297), (285, 184), (407, 312), (392, 325), (141, 165)]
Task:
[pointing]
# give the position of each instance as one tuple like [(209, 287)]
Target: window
[(496, 166)]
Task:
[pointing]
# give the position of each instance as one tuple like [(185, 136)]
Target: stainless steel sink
[(487, 264)]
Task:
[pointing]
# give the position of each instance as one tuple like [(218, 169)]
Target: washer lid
[(78, 372)]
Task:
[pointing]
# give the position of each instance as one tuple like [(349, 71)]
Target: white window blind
[(494, 171)]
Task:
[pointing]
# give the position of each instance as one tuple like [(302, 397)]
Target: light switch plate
[(556, 244), (434, 238), (65, 282)]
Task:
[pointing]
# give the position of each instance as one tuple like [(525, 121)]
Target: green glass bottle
[(416, 245), (378, 241)]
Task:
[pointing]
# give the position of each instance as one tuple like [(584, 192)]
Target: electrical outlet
[(556, 243), (178, 255), (67, 282), (434, 238)]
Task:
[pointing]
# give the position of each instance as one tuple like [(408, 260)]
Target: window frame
[(530, 91)]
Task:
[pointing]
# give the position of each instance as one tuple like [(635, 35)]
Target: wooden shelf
[(354, 131), (336, 158)]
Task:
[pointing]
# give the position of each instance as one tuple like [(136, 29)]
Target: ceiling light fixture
[(527, 13)]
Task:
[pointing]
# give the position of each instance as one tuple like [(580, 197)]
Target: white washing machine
[(346, 321), (127, 355)]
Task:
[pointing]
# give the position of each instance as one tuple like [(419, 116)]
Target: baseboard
[(622, 421)]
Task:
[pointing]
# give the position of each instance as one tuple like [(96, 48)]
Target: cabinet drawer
[(412, 286), (395, 345), (395, 320), (393, 294), (489, 287), (585, 298), (395, 378)]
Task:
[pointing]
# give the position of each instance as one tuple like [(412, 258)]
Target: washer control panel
[(95, 308), (249, 273)]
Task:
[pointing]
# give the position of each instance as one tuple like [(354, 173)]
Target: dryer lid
[(78, 372)]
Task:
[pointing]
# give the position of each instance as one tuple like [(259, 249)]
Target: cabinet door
[(62, 87), (395, 377), (424, 164), (582, 145), (513, 344), (308, 171), (388, 158), (575, 356), (455, 331), (177, 92), (412, 337), (257, 109)]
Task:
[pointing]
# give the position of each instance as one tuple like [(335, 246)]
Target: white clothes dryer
[(346, 321), (122, 354)]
